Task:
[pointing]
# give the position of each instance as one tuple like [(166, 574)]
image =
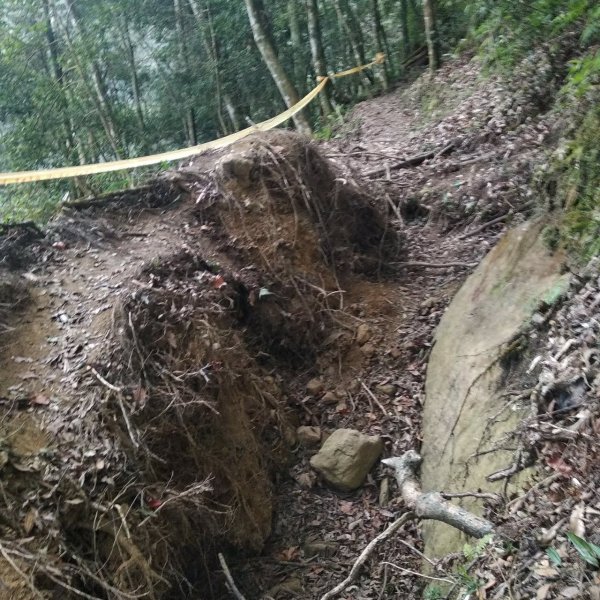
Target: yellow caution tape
[(154, 159)]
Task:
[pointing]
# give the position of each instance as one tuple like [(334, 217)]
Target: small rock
[(538, 319), (314, 387), (330, 398), (346, 458), (388, 389), (308, 436), (368, 349), (363, 334), (324, 549), (306, 480)]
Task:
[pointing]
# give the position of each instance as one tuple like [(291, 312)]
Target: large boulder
[(466, 418), (346, 458)]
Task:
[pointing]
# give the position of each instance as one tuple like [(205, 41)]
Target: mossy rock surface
[(466, 377)]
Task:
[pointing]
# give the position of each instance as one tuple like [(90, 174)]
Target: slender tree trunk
[(232, 112), (348, 25), (404, 29), (98, 89), (317, 52), (284, 85), (297, 46), (209, 42), (380, 43), (133, 74), (73, 149), (431, 34), (189, 118)]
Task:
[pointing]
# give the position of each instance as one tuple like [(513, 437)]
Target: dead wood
[(428, 265), (433, 505), (413, 161), (230, 582), (364, 555)]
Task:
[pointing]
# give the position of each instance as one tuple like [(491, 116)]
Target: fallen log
[(413, 161)]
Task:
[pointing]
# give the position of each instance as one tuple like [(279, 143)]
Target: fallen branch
[(428, 265), (481, 495), (230, 583), (364, 555), (413, 161), (495, 221), (433, 505), (479, 229), (119, 394)]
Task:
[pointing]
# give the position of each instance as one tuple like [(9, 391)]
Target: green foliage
[(588, 551), (471, 552), (584, 75), (554, 557), (507, 30), (579, 189), (433, 592)]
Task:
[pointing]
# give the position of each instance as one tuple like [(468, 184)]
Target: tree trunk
[(189, 118), (431, 34), (380, 43), (404, 30), (317, 52), (73, 149), (209, 42), (297, 46), (98, 90), (348, 23), (135, 82), (284, 85)]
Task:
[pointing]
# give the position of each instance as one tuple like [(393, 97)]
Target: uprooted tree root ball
[(190, 425)]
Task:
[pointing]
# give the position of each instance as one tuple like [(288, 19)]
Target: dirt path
[(376, 386)]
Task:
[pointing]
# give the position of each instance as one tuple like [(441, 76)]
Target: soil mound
[(165, 448)]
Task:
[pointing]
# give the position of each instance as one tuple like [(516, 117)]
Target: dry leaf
[(576, 522), (557, 463), (347, 507), (288, 554), (29, 520), (40, 400), (218, 282)]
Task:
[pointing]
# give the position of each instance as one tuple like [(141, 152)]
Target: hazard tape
[(154, 159)]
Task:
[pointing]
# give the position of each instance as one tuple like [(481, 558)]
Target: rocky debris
[(317, 548), (330, 398), (315, 386), (363, 334), (346, 458), (308, 436)]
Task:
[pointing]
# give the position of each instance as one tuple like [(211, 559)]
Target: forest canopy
[(84, 81)]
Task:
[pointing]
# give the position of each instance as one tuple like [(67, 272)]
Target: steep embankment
[(175, 337)]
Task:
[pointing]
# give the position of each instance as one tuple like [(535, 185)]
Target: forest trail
[(450, 209)]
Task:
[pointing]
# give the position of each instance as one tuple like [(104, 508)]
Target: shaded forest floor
[(448, 162)]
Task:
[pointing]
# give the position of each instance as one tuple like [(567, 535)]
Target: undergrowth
[(579, 189)]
